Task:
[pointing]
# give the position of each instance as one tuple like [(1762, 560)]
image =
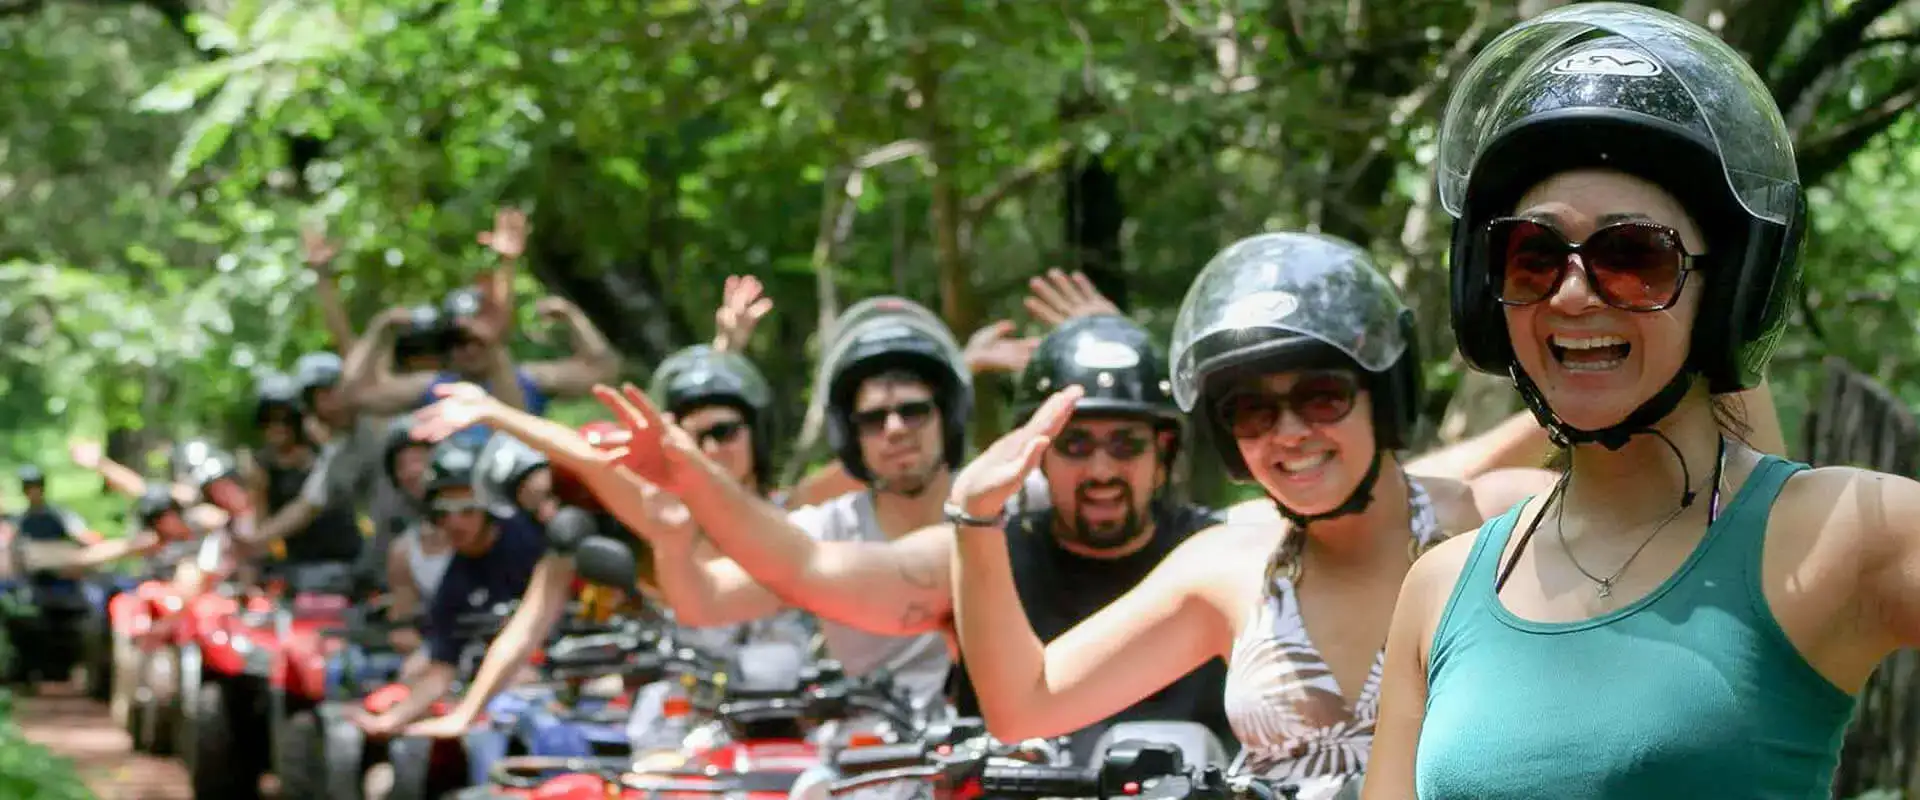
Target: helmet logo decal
[(1259, 308), (1616, 61), (1096, 353)]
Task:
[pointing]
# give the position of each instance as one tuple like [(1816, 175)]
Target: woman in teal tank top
[(1680, 616)]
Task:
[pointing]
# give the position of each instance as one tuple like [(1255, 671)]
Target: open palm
[(461, 406), (657, 451), (664, 520), (984, 487), (742, 304), (991, 349)]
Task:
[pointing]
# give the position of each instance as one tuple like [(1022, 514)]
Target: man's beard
[(1110, 535), (911, 484)]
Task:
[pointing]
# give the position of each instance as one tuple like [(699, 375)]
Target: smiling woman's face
[(1595, 363)]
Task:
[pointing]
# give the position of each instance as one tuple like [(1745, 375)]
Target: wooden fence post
[(1860, 423)]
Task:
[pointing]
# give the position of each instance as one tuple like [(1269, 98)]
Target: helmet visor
[(1744, 123)]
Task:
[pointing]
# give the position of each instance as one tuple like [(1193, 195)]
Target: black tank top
[(1060, 589), (44, 524), (334, 533)]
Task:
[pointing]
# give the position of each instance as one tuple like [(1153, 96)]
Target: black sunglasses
[(874, 420), (1634, 265), (719, 433), (445, 508), (1318, 398), (1075, 444)]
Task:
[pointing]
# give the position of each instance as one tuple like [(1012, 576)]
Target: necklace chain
[(1603, 587)]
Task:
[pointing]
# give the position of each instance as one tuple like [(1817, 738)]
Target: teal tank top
[(1692, 691)]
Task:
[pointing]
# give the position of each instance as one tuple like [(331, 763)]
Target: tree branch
[(1831, 151), (1835, 43), (1877, 42), (1043, 161), (1414, 102)]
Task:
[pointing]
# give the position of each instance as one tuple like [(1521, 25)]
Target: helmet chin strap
[(1358, 501), (1616, 436), (1612, 437)]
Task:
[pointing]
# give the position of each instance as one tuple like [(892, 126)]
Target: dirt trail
[(77, 728)]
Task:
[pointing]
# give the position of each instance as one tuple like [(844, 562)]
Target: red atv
[(224, 663), (339, 753), (147, 623), (322, 667), (766, 734), (307, 622)]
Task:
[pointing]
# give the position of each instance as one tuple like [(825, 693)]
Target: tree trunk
[(622, 295), (959, 302), (1093, 212)]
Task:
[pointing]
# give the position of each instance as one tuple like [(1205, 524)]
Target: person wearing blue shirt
[(493, 560)]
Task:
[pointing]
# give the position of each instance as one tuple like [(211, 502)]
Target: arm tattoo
[(916, 616), (919, 576)]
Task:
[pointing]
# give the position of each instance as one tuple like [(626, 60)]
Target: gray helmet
[(206, 464), (275, 391), (452, 465), (701, 376), (153, 503), (316, 371), (1286, 301), (501, 466), (31, 475), (1109, 356), (886, 333), (1648, 93)]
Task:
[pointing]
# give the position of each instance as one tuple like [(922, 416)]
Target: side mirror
[(569, 528), (604, 561)]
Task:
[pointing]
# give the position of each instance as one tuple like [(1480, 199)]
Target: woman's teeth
[(1304, 463), (1589, 353)]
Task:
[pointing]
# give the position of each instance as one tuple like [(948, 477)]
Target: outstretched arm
[(539, 610), (890, 588), (319, 252)]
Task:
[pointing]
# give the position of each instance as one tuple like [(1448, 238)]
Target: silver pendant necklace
[(1603, 587)]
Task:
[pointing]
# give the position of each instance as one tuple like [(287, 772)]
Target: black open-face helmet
[(398, 437), (702, 376), (423, 334), (1608, 85), (1114, 361), (1283, 302), (879, 335)]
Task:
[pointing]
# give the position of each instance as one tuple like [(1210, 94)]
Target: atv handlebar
[(1130, 769)]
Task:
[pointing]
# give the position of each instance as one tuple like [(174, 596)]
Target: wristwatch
[(960, 517)]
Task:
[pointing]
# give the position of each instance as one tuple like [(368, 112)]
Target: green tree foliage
[(162, 155)]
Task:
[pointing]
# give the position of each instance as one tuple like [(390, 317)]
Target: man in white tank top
[(898, 397)]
